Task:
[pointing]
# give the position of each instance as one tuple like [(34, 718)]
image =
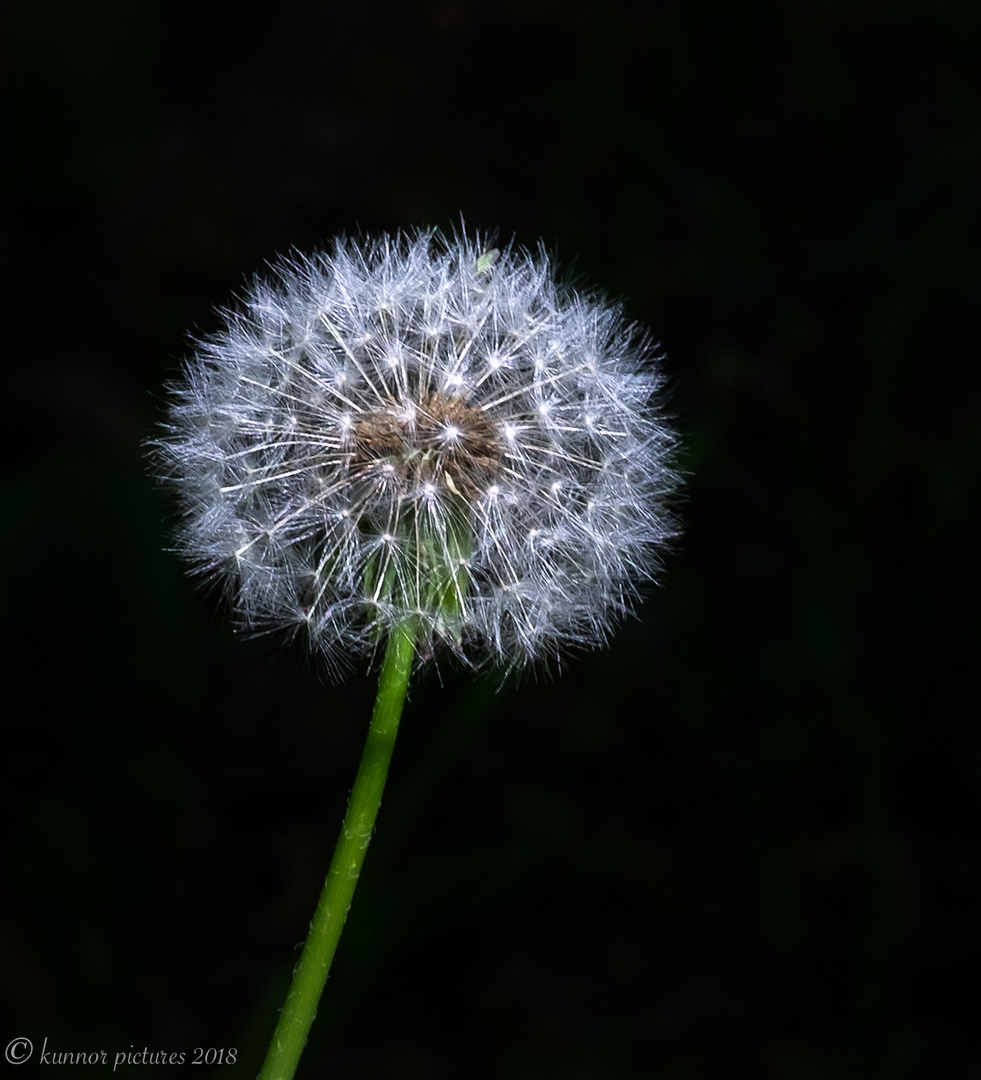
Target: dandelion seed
[(419, 428)]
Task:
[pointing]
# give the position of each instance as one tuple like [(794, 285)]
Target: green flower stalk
[(345, 868), (418, 444)]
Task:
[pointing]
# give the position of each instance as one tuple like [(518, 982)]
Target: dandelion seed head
[(417, 428)]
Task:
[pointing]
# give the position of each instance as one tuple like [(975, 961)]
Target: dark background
[(743, 840)]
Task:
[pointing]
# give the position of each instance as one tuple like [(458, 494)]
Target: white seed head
[(415, 428)]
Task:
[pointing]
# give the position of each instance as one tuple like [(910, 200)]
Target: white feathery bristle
[(416, 428)]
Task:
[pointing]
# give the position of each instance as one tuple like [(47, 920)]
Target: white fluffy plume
[(415, 428)]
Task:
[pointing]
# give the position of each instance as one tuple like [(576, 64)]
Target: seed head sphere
[(416, 430)]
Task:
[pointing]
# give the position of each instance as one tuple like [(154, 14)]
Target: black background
[(742, 840)]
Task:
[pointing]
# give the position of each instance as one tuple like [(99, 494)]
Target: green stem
[(310, 973)]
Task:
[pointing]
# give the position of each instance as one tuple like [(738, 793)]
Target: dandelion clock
[(412, 445)]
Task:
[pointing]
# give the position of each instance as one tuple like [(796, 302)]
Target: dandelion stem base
[(310, 973)]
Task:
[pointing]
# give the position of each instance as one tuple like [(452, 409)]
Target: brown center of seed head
[(438, 440)]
